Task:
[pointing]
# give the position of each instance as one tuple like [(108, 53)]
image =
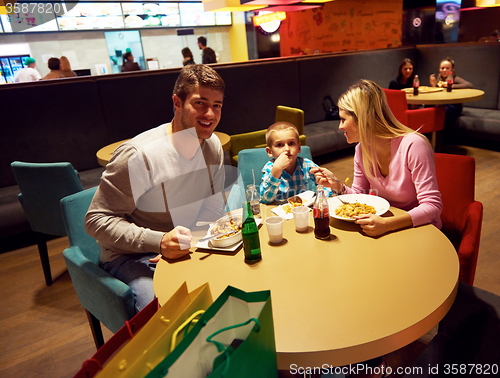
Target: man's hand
[(176, 243)]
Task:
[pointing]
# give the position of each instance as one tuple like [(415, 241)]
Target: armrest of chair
[(429, 119), (468, 250), (107, 298)]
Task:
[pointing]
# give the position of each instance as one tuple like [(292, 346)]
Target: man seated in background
[(158, 184)]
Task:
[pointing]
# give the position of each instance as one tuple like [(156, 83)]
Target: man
[(28, 73), (54, 65), (158, 184), (208, 55)]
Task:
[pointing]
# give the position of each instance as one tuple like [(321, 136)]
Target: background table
[(456, 96), (340, 301), (105, 153)]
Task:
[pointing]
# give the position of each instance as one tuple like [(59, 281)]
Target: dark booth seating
[(70, 119)]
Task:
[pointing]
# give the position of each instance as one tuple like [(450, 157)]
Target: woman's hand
[(176, 243), (326, 178), (373, 225)]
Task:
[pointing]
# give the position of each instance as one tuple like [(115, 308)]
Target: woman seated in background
[(390, 160), (66, 70), (453, 111), (405, 75), (188, 56), (54, 67), (129, 64)]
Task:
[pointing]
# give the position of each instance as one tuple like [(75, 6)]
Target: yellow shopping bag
[(153, 342)]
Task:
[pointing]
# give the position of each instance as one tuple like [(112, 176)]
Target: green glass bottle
[(250, 235)]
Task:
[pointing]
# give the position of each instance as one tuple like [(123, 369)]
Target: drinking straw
[(253, 175)]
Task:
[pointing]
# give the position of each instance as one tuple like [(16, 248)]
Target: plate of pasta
[(357, 204)]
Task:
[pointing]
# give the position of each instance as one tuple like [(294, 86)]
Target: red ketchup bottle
[(321, 215)]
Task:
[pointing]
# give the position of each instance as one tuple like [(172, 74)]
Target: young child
[(286, 174)]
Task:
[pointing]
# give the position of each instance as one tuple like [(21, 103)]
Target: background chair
[(425, 120), (462, 216), (104, 298), (42, 185), (257, 139)]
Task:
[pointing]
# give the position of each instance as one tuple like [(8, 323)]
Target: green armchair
[(257, 139)]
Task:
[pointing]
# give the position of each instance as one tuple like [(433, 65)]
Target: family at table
[(160, 183)]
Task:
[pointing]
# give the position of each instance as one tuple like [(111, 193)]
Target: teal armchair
[(105, 299), (42, 185)]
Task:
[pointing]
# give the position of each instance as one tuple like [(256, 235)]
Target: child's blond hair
[(280, 126)]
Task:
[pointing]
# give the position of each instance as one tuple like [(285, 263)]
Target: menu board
[(105, 16), (143, 15), (90, 16), (29, 21)]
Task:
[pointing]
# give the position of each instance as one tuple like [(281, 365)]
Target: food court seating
[(462, 216), (42, 186), (104, 298), (424, 120)]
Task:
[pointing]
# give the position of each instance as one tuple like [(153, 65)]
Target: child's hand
[(281, 163)]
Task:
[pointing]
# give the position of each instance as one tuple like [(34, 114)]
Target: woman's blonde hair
[(65, 66), (366, 102)]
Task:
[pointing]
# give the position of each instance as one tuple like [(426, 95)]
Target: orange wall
[(342, 25)]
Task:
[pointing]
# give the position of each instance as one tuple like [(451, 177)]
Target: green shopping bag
[(234, 338)]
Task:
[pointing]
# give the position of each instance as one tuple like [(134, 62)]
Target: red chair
[(425, 120), (462, 216)]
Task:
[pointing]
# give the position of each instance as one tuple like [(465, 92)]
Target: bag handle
[(222, 348), (184, 326)]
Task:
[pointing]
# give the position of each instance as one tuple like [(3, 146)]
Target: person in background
[(129, 64), (286, 174), (28, 73), (405, 75), (159, 184), (54, 65), (66, 70), (391, 160), (453, 111), (208, 55), (188, 56), (495, 36)]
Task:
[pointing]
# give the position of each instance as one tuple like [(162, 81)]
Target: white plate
[(307, 200), (207, 245), (380, 204)]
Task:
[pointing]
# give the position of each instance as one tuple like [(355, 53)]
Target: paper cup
[(301, 218), (274, 227)]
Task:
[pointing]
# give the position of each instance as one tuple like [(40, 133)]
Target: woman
[(129, 64), (392, 160), (405, 75), (446, 68), (66, 70), (188, 56), (453, 111)]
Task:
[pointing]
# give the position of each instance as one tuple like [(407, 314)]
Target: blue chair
[(42, 185), (256, 158), (248, 160), (105, 298)]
